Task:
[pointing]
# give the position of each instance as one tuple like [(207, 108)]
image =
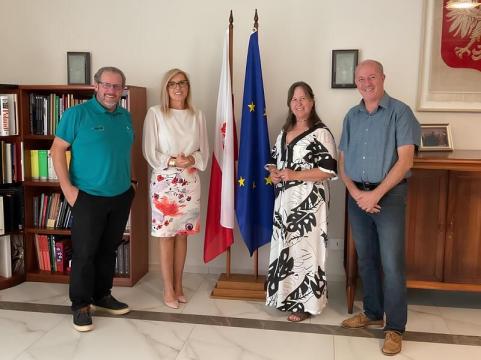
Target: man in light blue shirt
[(376, 154)]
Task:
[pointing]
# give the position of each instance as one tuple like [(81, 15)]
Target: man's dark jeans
[(379, 240)]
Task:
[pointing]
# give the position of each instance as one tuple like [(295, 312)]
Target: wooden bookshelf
[(138, 233), (12, 139)]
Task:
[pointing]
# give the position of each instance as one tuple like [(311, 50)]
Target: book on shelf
[(43, 164), (8, 114), (122, 260), (45, 111), (53, 252), (63, 254), (2, 217), (34, 169), (18, 253), (7, 165), (11, 209), (36, 243), (51, 211), (4, 117), (51, 174), (5, 256), (11, 162)]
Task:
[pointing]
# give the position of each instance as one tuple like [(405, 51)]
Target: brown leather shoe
[(392, 343), (359, 321)]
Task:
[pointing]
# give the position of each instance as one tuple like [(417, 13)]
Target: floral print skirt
[(175, 201)]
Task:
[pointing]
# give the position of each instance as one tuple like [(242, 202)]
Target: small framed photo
[(436, 137), (344, 64), (78, 68)]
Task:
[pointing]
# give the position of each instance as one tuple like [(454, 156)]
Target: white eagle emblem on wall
[(466, 23)]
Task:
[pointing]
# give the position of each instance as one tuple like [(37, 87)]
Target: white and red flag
[(219, 229)]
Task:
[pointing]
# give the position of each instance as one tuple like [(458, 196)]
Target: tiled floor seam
[(252, 324)]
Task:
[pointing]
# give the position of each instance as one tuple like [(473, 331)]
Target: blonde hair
[(164, 92)]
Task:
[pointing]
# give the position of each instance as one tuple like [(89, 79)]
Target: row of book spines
[(46, 111), (8, 114), (122, 261), (51, 211), (11, 157), (41, 164), (53, 253)]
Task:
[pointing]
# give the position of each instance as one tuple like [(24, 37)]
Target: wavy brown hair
[(291, 118)]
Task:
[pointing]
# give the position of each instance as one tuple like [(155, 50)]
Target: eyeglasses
[(108, 86), (181, 83)]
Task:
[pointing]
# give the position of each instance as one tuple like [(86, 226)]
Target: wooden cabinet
[(443, 225), (462, 263), (134, 99)]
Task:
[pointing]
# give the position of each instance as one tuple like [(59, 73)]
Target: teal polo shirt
[(101, 142)]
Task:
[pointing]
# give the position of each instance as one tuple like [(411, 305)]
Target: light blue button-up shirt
[(369, 141)]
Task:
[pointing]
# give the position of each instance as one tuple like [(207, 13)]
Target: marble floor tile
[(426, 319), (462, 321), (216, 343), (350, 348), (31, 336), (37, 292), (19, 330)]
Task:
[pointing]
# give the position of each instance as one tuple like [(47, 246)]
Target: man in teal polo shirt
[(98, 188)]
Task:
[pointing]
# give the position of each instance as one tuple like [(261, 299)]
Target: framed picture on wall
[(450, 67), (436, 137), (343, 67), (78, 68)]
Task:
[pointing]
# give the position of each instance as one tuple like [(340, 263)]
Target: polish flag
[(219, 229)]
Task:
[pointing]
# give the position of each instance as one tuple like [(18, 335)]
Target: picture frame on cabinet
[(78, 68), (442, 87), (436, 137), (344, 64)]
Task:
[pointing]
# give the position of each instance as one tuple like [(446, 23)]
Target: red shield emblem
[(461, 37)]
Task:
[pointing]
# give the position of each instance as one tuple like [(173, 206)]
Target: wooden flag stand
[(239, 286)]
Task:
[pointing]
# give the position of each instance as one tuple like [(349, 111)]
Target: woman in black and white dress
[(303, 160)]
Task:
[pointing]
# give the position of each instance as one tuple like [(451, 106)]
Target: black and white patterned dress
[(296, 280)]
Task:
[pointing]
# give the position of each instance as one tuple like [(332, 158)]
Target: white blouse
[(167, 135)]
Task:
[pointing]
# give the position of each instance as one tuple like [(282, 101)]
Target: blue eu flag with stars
[(255, 191)]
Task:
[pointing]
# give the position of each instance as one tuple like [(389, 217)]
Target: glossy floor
[(35, 323)]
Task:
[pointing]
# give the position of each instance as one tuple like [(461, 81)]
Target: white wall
[(147, 37)]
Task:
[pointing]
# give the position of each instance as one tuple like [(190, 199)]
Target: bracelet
[(171, 162)]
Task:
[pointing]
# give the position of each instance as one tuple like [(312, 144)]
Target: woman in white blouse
[(175, 145)]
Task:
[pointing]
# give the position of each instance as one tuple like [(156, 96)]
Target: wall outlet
[(335, 244)]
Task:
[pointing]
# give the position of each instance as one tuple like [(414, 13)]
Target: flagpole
[(230, 285), (231, 38), (256, 253)]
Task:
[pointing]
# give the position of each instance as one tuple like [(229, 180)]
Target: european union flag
[(255, 192)]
